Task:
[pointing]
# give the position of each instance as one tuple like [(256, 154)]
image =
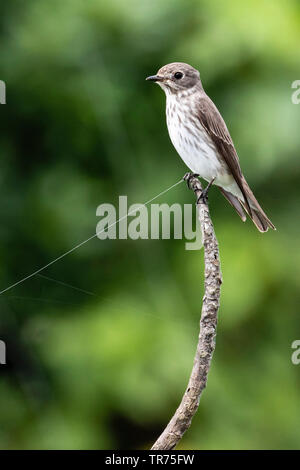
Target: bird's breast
[(190, 139)]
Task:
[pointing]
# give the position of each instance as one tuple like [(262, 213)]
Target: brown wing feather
[(233, 200), (216, 128)]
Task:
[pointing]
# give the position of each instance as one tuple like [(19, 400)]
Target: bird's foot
[(188, 176), (204, 195)]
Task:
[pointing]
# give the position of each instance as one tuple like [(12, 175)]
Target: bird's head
[(176, 77)]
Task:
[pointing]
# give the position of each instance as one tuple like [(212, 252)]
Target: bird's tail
[(258, 216)]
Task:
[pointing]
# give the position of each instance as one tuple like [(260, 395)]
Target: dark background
[(106, 369)]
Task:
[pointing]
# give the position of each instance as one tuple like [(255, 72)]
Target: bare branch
[(184, 414)]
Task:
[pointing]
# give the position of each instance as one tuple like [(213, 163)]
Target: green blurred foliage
[(81, 126)]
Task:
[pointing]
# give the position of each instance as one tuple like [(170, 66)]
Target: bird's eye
[(178, 75)]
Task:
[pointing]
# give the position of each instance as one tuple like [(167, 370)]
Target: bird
[(200, 136)]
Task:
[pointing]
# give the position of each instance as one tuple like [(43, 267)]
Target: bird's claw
[(188, 176), (204, 194), (203, 198)]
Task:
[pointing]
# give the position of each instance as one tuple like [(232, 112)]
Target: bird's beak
[(155, 78)]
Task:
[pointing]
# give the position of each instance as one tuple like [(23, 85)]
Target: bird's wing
[(214, 125)]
